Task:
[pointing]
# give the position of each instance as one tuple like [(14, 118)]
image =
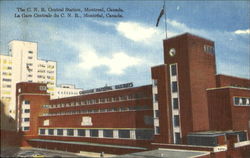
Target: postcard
[(124, 78)]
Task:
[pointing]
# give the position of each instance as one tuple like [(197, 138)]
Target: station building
[(187, 107)]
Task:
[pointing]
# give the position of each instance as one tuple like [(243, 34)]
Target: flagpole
[(165, 19)]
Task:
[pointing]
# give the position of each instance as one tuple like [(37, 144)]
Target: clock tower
[(179, 87)]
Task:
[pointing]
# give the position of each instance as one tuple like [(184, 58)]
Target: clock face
[(172, 52)]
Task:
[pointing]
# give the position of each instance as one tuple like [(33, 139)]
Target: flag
[(159, 17)]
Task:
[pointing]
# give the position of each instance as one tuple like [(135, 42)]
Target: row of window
[(6, 86), (5, 92), (7, 79), (175, 102), (50, 83), (155, 103), (7, 67), (242, 101), (100, 100), (7, 73), (7, 61), (92, 111), (208, 49), (25, 110), (65, 92), (100, 133), (48, 66)]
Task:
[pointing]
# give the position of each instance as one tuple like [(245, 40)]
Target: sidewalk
[(94, 154)]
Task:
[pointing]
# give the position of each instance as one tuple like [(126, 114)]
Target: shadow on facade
[(10, 138)]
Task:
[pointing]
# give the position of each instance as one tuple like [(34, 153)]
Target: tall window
[(157, 113), (173, 70), (176, 121), (175, 103), (174, 87), (156, 97), (157, 130), (177, 138)]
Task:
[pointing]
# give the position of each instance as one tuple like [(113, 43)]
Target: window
[(124, 109), (42, 131), (51, 131), (176, 121), (6, 79), (103, 110), (116, 99), (244, 101), (123, 97), (26, 119), (70, 132), (81, 132), (174, 87), (155, 82), (177, 138), (157, 130), (124, 133), (109, 99), (148, 120), (156, 97), (30, 57), (241, 101), (242, 136), (108, 133), (102, 100), (110, 110), (175, 103), (144, 134), (93, 133), (209, 49), (59, 132), (26, 102), (26, 110), (157, 113), (30, 52), (173, 70), (26, 128)]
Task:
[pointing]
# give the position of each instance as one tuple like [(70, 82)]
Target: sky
[(92, 52)]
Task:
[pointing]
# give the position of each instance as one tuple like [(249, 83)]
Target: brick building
[(188, 106)]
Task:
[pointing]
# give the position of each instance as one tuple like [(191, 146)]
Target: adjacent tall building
[(22, 65)]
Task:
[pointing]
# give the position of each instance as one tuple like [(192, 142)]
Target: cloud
[(116, 64), (136, 32), (92, 54), (247, 31)]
